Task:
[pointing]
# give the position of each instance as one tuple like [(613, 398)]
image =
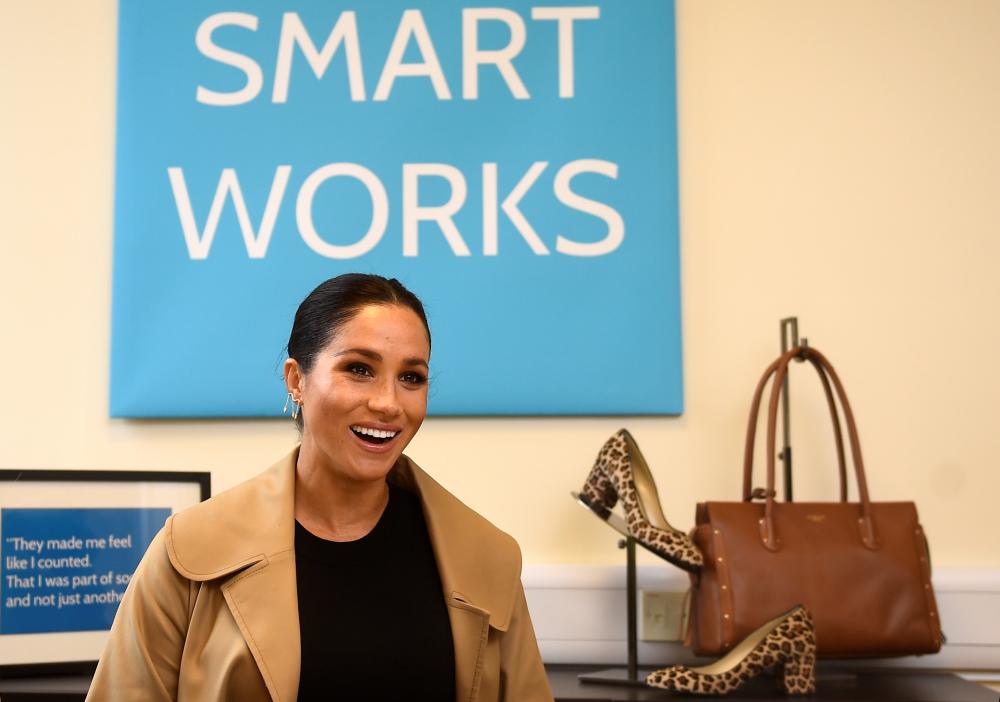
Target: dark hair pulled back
[(335, 302)]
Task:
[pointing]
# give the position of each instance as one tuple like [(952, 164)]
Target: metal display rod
[(789, 340), (631, 675)]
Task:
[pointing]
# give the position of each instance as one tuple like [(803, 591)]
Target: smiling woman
[(344, 571), (359, 352)]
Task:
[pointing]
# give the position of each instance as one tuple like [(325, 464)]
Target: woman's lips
[(372, 446)]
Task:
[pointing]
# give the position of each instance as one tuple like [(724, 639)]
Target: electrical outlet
[(661, 615)]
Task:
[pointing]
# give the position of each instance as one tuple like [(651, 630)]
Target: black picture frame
[(184, 488)]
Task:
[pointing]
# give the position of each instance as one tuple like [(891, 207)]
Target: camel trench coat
[(211, 613)]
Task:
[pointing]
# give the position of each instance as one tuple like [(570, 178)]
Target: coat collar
[(238, 528), (246, 536)]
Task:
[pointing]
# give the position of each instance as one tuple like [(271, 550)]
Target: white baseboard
[(579, 614)]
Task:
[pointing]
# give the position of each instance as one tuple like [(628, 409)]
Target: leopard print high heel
[(787, 642), (621, 473)]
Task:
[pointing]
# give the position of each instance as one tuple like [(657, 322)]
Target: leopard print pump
[(787, 642), (621, 473)]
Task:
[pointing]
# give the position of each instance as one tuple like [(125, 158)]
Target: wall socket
[(662, 615)]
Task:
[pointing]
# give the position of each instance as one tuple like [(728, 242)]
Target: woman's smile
[(373, 438)]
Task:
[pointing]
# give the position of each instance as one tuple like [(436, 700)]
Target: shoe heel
[(598, 493), (798, 674)]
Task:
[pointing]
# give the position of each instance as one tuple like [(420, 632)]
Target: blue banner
[(514, 165), (66, 569)]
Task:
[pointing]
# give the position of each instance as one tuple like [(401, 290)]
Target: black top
[(372, 616)]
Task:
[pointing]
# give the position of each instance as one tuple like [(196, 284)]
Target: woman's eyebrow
[(367, 353), (376, 356)]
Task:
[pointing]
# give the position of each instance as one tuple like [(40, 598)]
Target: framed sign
[(69, 543), (514, 164)]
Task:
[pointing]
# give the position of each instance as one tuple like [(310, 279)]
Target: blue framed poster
[(70, 541), (515, 165)]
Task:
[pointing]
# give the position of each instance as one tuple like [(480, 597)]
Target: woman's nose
[(383, 399)]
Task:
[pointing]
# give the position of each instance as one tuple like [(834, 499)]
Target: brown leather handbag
[(861, 568)]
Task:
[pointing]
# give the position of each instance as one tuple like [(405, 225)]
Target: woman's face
[(366, 395)]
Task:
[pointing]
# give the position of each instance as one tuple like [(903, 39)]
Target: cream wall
[(840, 161)]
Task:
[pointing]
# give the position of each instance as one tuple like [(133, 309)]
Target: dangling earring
[(295, 406)]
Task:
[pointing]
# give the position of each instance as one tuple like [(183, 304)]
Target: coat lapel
[(469, 633), (266, 621), (245, 538)]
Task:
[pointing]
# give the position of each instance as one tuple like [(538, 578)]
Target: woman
[(344, 571)]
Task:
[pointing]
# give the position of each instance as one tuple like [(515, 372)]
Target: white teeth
[(377, 433)]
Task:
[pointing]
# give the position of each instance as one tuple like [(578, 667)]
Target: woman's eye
[(413, 378), (359, 369)]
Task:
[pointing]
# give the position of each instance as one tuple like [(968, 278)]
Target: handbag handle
[(866, 525), (748, 492)]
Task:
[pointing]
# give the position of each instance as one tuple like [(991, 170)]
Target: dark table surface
[(832, 684)]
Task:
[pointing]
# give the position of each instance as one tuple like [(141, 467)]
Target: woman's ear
[(293, 378)]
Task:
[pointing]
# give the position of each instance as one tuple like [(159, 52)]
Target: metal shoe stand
[(630, 675)]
